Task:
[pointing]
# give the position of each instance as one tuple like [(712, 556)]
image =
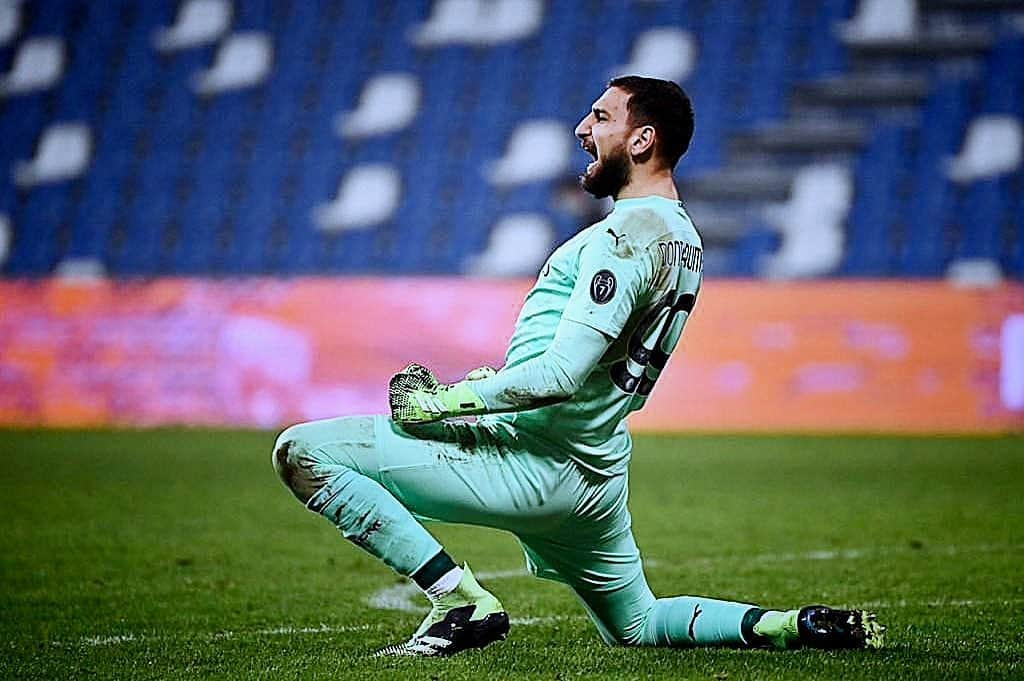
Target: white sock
[(445, 584)]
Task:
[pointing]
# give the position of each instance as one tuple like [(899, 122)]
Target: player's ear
[(642, 140)]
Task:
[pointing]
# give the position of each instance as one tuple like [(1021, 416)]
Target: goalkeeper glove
[(416, 396)]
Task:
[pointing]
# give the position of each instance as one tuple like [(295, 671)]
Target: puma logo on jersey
[(697, 612), (616, 236), (681, 254)]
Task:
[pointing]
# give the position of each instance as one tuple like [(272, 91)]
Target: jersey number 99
[(650, 344)]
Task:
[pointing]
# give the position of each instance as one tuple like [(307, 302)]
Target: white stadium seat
[(388, 103), (811, 223), (80, 269), (537, 150), (452, 21), (881, 20), (10, 20), (993, 146), (974, 273), (668, 53), (243, 60), (38, 65), (199, 22), (368, 195), (479, 22), (63, 153), (518, 246)]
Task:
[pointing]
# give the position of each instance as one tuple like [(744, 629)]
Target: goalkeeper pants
[(375, 481)]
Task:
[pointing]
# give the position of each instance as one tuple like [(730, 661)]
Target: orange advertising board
[(889, 356)]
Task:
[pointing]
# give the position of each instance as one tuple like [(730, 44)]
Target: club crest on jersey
[(602, 287)]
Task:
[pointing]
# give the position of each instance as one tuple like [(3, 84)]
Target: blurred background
[(246, 212)]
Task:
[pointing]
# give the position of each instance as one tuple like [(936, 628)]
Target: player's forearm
[(552, 377)]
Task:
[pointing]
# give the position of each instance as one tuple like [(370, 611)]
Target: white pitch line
[(404, 597), (119, 639), (396, 597), (850, 554), (322, 629), (108, 640), (963, 603)]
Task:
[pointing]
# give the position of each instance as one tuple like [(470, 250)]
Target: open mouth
[(592, 150)]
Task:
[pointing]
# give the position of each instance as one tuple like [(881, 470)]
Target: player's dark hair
[(663, 105)]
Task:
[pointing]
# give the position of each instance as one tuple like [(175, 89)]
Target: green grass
[(178, 554)]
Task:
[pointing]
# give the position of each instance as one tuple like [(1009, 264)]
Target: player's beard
[(608, 176)]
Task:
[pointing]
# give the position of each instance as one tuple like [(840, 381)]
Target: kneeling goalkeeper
[(547, 458)]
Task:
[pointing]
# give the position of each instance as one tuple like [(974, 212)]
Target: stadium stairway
[(896, 113)]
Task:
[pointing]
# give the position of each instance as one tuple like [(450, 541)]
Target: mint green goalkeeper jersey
[(633, 276)]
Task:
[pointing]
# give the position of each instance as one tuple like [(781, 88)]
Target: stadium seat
[(243, 60), (38, 65), (811, 223), (388, 103), (519, 244), (80, 269), (993, 146), (1003, 91), (874, 226), (924, 250), (983, 212), (1014, 256), (36, 251), (479, 22), (199, 22), (10, 20), (368, 195), (537, 150), (881, 20), (663, 52), (752, 252), (63, 153)]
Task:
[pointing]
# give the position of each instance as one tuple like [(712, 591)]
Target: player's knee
[(623, 636), (295, 465), (622, 630), (308, 455)]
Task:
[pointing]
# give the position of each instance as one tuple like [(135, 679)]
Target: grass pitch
[(178, 554)]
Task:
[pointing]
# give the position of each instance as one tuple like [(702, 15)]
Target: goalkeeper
[(547, 458)]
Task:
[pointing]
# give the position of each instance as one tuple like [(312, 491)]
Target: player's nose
[(582, 130)]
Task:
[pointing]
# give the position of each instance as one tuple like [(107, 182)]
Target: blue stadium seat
[(39, 222), (870, 225), (925, 251)]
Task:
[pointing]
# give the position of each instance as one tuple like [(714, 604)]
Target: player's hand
[(416, 396)]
